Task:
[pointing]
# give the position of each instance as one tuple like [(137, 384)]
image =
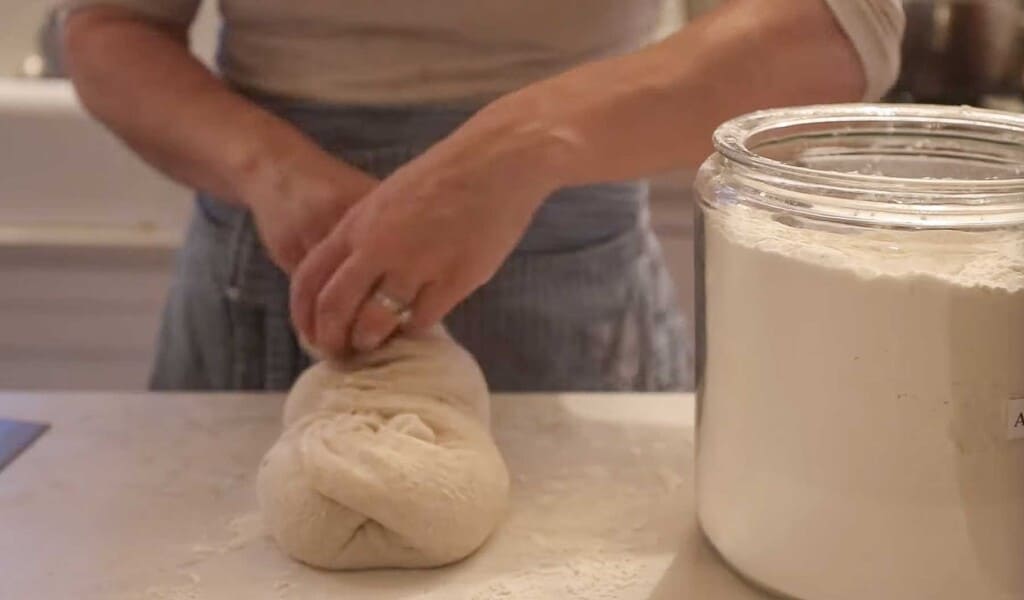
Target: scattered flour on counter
[(283, 588), (240, 531), (185, 592), (585, 523), (237, 532), (853, 417), (591, 578), (244, 530)]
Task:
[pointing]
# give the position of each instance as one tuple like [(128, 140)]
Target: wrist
[(255, 170), (275, 170), (265, 157), (528, 147)]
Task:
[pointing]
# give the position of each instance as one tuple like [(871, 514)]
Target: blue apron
[(583, 303)]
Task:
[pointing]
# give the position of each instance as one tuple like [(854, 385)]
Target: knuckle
[(300, 282), (290, 257), (421, 320), (325, 303)]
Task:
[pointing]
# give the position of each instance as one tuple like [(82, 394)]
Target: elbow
[(95, 37), (842, 72), (872, 31), (82, 47), (810, 51), (852, 46), (75, 36), (81, 35), (84, 38)]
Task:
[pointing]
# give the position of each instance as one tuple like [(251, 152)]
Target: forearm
[(140, 80), (656, 109)]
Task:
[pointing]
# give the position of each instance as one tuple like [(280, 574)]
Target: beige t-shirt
[(402, 51)]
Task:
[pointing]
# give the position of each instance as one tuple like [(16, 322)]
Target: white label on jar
[(1016, 419)]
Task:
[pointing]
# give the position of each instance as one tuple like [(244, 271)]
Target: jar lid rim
[(732, 137)]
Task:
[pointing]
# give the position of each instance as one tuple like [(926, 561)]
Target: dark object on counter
[(48, 42), (15, 437), (959, 51)]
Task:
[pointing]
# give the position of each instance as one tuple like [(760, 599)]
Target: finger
[(309, 278), (434, 301), (287, 255), (376, 320), (339, 300), (314, 233)]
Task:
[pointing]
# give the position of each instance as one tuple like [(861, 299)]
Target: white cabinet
[(58, 167), (77, 317), (21, 21)]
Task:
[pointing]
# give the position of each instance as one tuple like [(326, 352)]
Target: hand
[(426, 238), (297, 204)]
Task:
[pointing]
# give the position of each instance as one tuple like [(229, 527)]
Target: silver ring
[(404, 317), (401, 310)]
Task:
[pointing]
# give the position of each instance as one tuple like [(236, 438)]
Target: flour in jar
[(853, 436)]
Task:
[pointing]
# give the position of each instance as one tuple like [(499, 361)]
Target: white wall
[(79, 316), (20, 21)]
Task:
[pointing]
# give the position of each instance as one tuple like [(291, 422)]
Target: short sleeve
[(875, 27), (179, 12)]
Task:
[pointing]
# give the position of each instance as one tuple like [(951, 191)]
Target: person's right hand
[(296, 203)]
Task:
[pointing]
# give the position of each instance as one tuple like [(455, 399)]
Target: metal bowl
[(958, 51), (954, 51)]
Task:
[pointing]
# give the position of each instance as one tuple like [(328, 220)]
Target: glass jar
[(860, 426)]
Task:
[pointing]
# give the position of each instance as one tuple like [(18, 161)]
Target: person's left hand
[(424, 239)]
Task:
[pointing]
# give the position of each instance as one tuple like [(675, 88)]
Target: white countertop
[(142, 236), (150, 496)]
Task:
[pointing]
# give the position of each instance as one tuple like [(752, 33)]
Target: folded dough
[(386, 461)]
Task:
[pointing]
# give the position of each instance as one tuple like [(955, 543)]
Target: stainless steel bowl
[(959, 51), (954, 51)]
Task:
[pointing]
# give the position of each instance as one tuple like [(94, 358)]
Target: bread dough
[(386, 461)]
